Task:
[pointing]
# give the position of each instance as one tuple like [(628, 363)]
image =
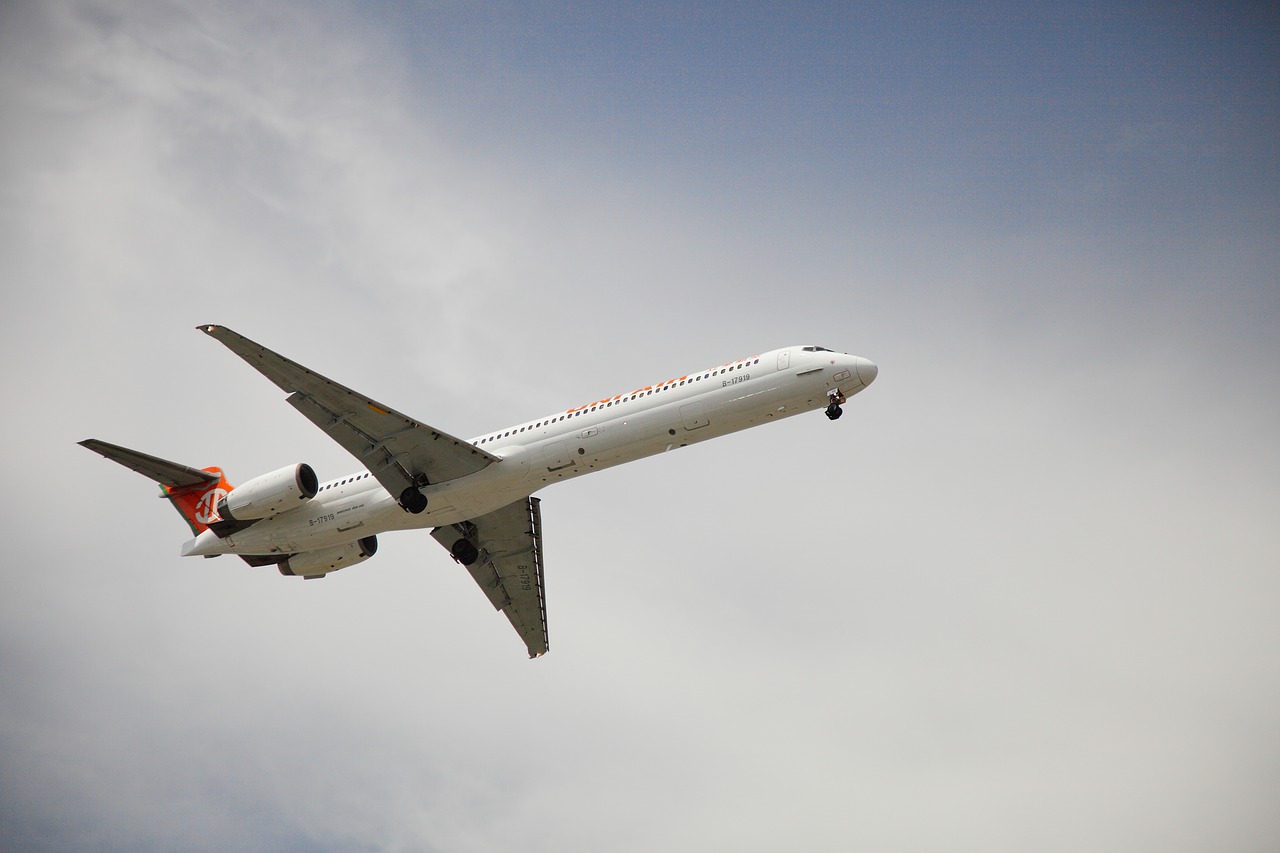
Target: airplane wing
[(503, 552), (399, 451)]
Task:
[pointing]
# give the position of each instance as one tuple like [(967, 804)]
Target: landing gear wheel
[(412, 500), (464, 552), (834, 411)]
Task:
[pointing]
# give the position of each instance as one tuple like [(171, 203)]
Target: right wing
[(503, 552), (399, 451)]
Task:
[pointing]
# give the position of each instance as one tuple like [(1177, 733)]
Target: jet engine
[(270, 494), (318, 563)]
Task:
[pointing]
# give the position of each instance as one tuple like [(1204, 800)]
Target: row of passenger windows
[(343, 482), (625, 399)]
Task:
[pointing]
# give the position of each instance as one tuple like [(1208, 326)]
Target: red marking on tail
[(198, 504)]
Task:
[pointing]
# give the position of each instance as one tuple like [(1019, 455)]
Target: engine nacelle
[(315, 564), (270, 494)]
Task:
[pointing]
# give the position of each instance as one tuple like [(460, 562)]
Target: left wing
[(401, 453), (503, 552)]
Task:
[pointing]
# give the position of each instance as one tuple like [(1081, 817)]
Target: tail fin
[(194, 492), (198, 504)]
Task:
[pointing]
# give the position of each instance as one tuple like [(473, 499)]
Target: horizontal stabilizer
[(164, 472)]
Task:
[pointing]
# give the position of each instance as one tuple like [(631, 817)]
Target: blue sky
[(1020, 596), (1013, 106)]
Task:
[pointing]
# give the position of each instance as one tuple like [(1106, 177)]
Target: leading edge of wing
[(391, 444)]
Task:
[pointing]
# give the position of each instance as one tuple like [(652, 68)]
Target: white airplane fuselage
[(568, 444)]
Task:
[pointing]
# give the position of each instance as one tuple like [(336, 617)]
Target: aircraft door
[(559, 456), (784, 359), (695, 417)]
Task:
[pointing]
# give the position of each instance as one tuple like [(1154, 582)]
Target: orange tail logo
[(198, 504)]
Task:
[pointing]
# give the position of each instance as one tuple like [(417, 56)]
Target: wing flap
[(507, 565), (398, 450)]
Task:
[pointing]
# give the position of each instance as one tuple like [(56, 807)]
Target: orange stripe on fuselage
[(657, 387)]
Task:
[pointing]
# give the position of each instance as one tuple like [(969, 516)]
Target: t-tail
[(194, 492)]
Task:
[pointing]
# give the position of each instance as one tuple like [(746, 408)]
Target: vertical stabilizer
[(194, 492), (198, 504)]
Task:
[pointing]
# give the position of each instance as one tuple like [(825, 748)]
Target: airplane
[(476, 495)]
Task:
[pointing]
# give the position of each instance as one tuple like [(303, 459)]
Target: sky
[(1021, 596)]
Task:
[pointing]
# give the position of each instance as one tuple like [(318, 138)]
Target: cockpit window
[(817, 349)]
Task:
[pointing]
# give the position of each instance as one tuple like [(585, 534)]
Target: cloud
[(1019, 595)]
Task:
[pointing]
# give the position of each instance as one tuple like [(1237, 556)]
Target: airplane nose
[(867, 371)]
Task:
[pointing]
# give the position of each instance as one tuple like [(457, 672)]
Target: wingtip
[(208, 328)]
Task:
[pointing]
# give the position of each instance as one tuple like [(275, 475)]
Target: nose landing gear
[(836, 397)]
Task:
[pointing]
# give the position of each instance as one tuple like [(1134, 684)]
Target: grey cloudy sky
[(1022, 596)]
